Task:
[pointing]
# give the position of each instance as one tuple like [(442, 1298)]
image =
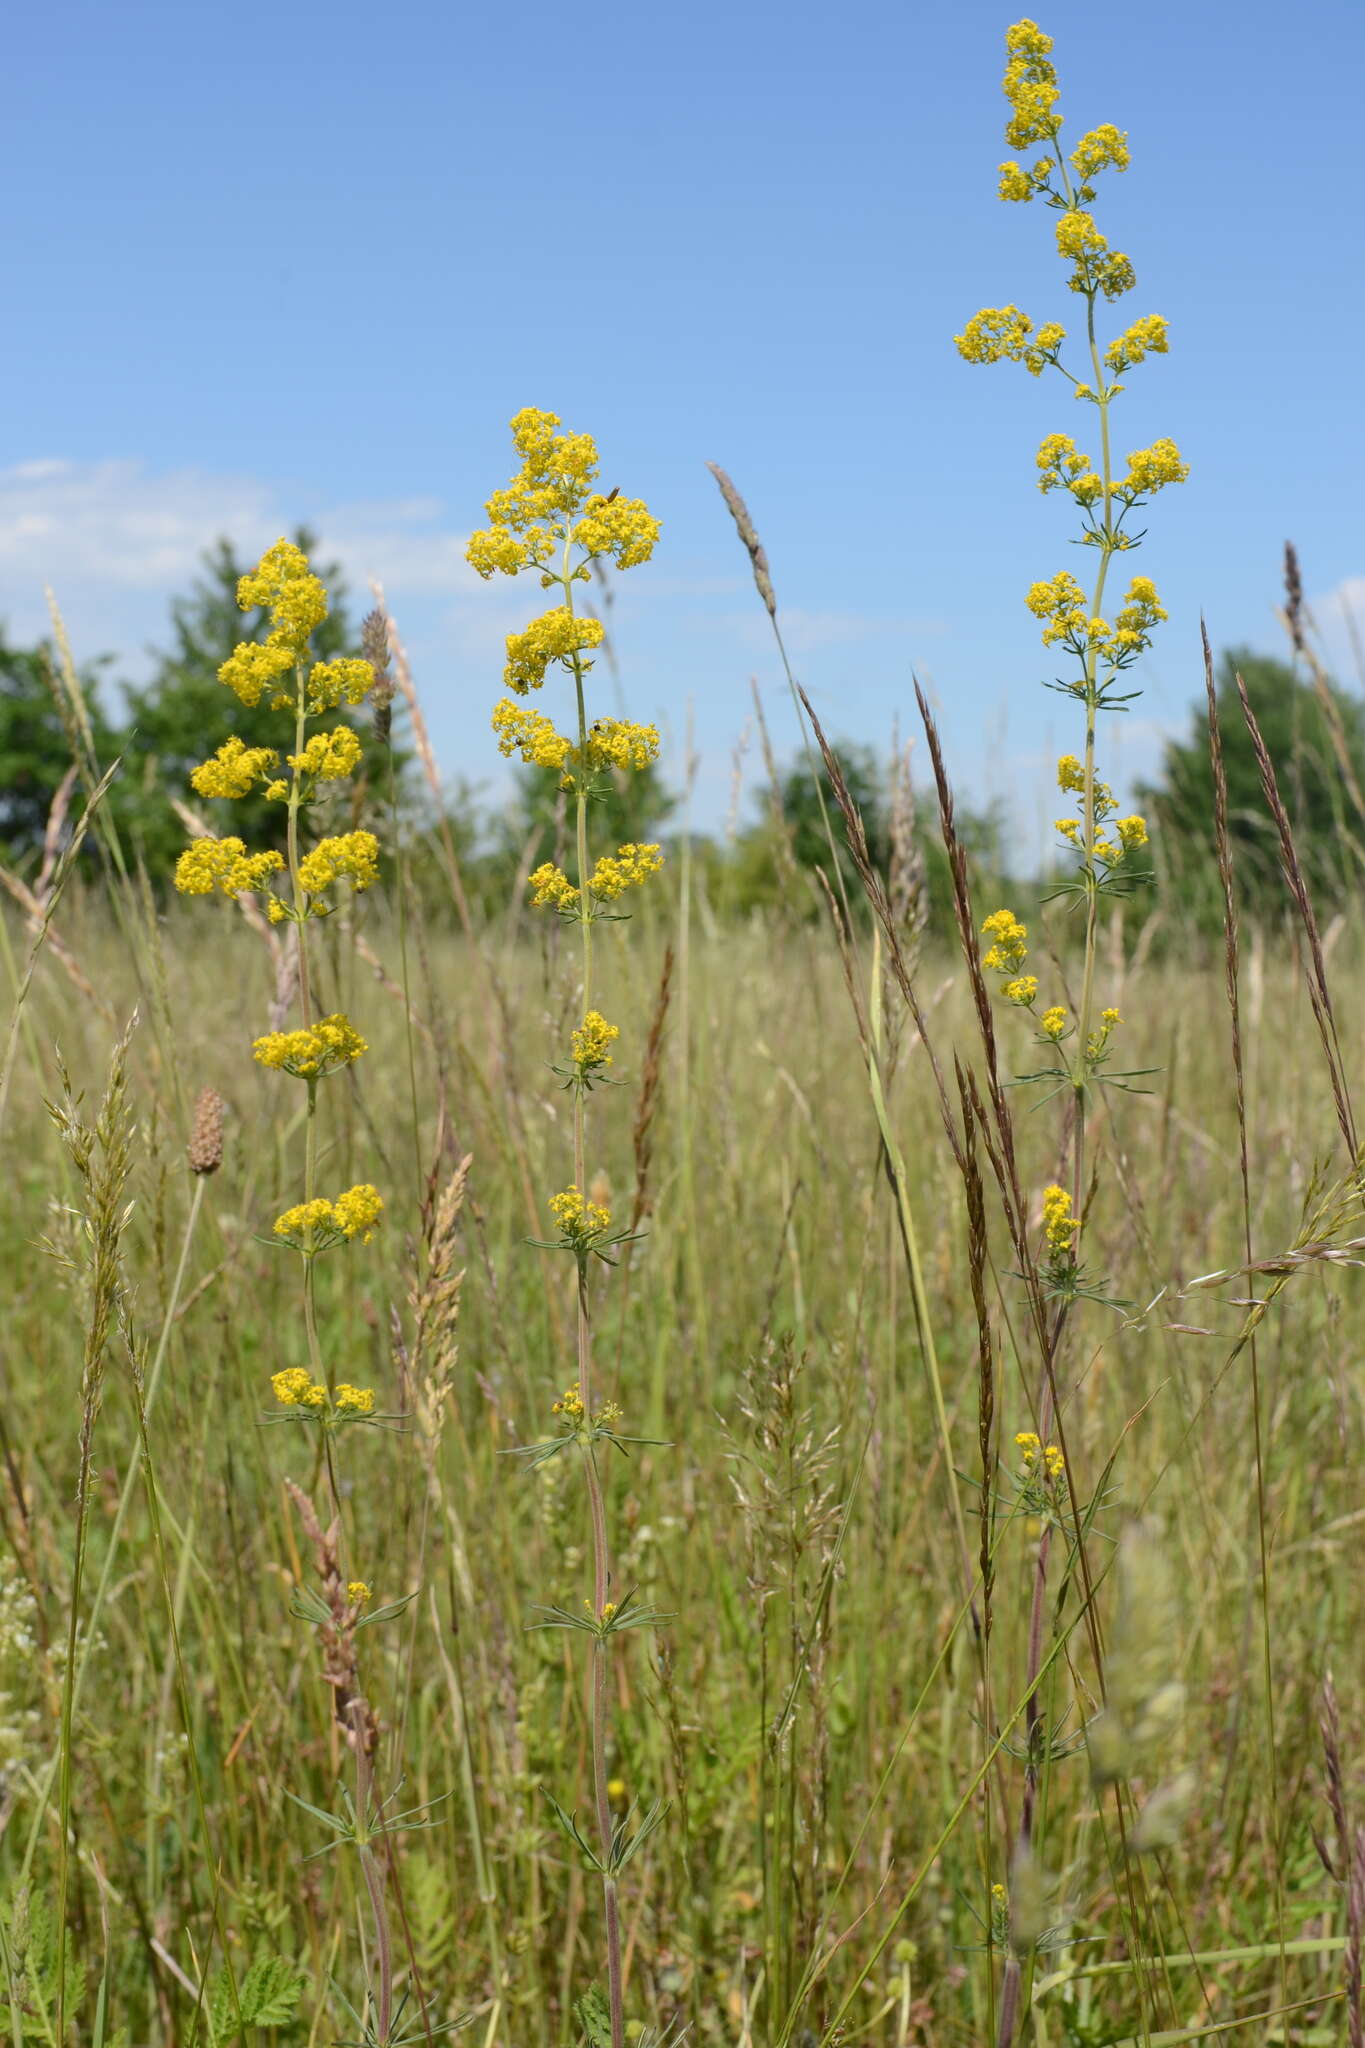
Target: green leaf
[(594, 2016)]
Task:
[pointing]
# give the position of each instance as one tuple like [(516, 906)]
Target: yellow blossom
[(1145, 337), (1030, 86), (1142, 611), (625, 869), (1150, 469), (354, 1400), (550, 886), (579, 1220), (618, 743), (357, 1212), (1054, 1022), (338, 682), (1070, 774), (329, 756), (317, 1224), (591, 1042), (209, 864), (254, 665), (1069, 829), (1110, 1017), (233, 769), (1102, 148), (622, 529), (531, 733), (313, 1051), (1008, 952), (304, 1218), (555, 636), (1078, 239), (283, 584), (291, 1386), (357, 1592), (570, 1403), (1132, 832), (1022, 990), (353, 856), (551, 499), (1058, 1221)]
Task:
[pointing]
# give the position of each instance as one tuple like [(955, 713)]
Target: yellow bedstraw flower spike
[(291, 1385), (329, 756), (1030, 86), (1103, 148), (622, 529), (1054, 1022), (570, 1403), (1023, 990), (1069, 829), (1020, 185), (1078, 239), (1070, 774), (1132, 832), (618, 743), (591, 1042), (284, 585), (357, 1592), (358, 1210), (555, 636), (354, 1400), (1110, 1017), (1053, 1462), (1001, 333), (1142, 611), (627, 868), (1145, 337), (303, 1218), (1008, 952), (1061, 602), (254, 665), (550, 885), (225, 864), (338, 682), (353, 856), (314, 1051), (530, 733), (579, 1220), (1058, 1221), (1030, 1444), (1061, 462), (233, 769), (1150, 469)]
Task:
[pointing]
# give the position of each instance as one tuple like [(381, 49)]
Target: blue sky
[(274, 265)]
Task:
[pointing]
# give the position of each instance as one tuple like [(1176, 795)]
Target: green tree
[(34, 753), (1317, 749), (182, 713)]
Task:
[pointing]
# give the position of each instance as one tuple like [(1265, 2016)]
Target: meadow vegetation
[(641, 1455)]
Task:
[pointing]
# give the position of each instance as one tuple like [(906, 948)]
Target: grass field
[(812, 1710)]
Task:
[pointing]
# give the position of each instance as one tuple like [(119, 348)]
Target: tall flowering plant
[(1101, 849), (553, 521), (300, 886)]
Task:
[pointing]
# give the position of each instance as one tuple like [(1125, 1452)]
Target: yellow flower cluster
[(1034, 1452), (209, 864), (284, 585), (627, 868), (579, 1220), (1058, 1222), (357, 1592), (1061, 603), (316, 1050), (1001, 333), (1149, 469), (1080, 242), (353, 1214), (1145, 337), (233, 769), (1020, 185), (1008, 952), (329, 756), (570, 1403), (1053, 1022), (1023, 991), (337, 682), (1142, 610), (619, 743), (352, 856), (530, 733), (555, 636), (550, 887), (551, 499), (296, 1388), (1070, 774), (1030, 86), (1103, 148), (1063, 465), (1098, 1040), (592, 1041)]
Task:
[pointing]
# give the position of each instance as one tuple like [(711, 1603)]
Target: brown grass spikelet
[(205, 1150), (748, 533)]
